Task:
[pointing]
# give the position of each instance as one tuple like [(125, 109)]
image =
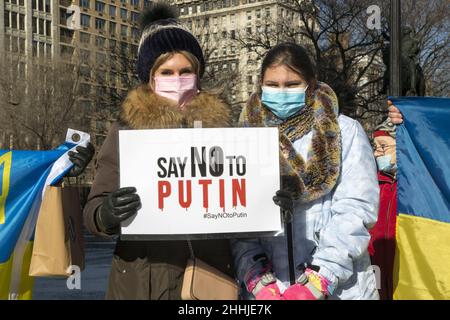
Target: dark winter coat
[(153, 269)]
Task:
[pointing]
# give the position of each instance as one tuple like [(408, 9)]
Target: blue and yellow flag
[(23, 178), (422, 266)]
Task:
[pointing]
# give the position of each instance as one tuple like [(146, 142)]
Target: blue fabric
[(423, 155), (29, 171)]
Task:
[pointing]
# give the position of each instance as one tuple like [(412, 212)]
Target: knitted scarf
[(312, 179)]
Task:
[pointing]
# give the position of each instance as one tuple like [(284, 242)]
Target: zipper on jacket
[(388, 212)]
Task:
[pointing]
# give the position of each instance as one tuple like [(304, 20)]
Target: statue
[(413, 81)]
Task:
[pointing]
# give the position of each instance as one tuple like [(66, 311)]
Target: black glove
[(283, 199), (117, 207), (80, 159)]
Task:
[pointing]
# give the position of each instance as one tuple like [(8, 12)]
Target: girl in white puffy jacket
[(329, 183)]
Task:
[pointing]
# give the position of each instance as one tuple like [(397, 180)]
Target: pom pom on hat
[(162, 32)]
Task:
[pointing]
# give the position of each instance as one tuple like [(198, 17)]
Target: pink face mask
[(181, 89)]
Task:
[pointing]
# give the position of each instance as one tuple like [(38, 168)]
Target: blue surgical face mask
[(385, 163), (285, 102)]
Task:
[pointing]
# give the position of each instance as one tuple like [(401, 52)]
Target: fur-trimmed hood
[(144, 109)]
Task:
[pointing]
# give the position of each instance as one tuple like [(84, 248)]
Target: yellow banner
[(422, 261)]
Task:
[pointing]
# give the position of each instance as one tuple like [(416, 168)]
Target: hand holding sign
[(117, 207)]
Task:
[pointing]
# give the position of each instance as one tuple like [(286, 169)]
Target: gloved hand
[(260, 280), (269, 292), (117, 207), (310, 286), (284, 200), (80, 159)]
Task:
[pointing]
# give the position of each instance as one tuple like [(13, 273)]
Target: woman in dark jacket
[(170, 63)]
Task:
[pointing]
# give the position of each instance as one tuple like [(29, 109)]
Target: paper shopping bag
[(58, 242)]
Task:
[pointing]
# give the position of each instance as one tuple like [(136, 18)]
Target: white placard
[(201, 181)]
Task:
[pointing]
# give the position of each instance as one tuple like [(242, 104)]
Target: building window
[(47, 6), (258, 14), (65, 50), (112, 44), (34, 4), (84, 3), (85, 37), (250, 79), (85, 55), (99, 24), (21, 22), (66, 35), (123, 30), (48, 28), (85, 20), (249, 15), (112, 28), (7, 18), (14, 20), (135, 3), (135, 33), (48, 49), (22, 45), (34, 24), (112, 11), (100, 42), (101, 58), (99, 6), (123, 14), (41, 26), (134, 16), (34, 46)]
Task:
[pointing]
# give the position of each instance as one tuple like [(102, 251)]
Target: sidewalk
[(94, 278)]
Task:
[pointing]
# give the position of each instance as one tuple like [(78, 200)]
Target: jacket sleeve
[(243, 251), (106, 179), (354, 208)]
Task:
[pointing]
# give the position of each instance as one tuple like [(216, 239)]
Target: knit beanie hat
[(386, 128), (162, 32)]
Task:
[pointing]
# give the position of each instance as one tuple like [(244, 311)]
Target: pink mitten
[(300, 292), (269, 292), (310, 286)]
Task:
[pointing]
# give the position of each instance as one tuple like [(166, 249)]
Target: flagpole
[(395, 49)]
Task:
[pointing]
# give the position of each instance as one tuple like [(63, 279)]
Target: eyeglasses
[(383, 148)]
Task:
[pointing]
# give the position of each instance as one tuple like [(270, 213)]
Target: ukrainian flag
[(422, 266), (23, 178)]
